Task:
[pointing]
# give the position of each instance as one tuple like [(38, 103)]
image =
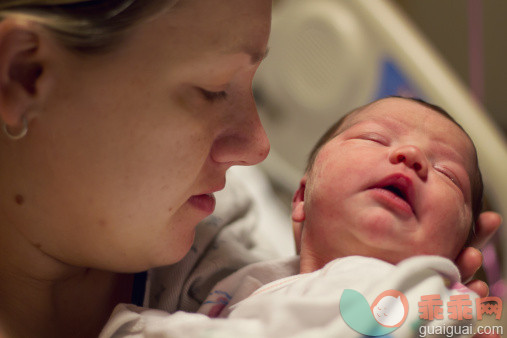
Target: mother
[(119, 119)]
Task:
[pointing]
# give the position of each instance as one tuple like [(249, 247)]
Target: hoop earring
[(18, 136)]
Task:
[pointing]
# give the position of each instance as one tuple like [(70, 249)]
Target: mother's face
[(126, 147)]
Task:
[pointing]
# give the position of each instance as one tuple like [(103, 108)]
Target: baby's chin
[(394, 249), (395, 258)]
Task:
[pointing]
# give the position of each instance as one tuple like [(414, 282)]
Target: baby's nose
[(412, 157)]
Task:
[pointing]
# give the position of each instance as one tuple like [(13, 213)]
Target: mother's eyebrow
[(256, 56)]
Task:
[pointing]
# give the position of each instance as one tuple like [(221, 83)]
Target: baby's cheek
[(448, 240), (460, 225)]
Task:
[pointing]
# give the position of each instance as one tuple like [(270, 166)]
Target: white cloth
[(306, 305)]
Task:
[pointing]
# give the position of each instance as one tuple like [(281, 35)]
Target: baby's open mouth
[(398, 189)]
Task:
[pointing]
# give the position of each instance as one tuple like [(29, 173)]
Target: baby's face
[(393, 184)]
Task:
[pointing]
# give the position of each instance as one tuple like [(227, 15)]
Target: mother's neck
[(41, 296)]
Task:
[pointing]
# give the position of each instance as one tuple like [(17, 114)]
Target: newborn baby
[(395, 179)]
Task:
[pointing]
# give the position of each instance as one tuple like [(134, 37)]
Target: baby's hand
[(470, 259)]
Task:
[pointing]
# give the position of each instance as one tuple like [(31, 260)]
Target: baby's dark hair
[(477, 186)]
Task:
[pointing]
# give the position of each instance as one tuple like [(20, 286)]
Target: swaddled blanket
[(324, 303)]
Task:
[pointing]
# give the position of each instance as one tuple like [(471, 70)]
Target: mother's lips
[(204, 202)]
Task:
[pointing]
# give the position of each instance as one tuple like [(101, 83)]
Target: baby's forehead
[(406, 111), (407, 116)]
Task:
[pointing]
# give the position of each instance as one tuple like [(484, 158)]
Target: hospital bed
[(329, 56)]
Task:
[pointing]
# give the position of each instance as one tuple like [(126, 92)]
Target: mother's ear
[(20, 68), (298, 212)]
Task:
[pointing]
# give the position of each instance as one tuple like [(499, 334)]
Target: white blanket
[(305, 305)]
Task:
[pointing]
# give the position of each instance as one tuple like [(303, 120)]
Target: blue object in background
[(394, 82)]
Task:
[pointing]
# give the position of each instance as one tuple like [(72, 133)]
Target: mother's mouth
[(204, 202)]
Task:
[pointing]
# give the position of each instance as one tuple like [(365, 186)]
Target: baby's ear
[(298, 201), (298, 213)]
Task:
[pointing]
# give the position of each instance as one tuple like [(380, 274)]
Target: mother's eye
[(213, 96)]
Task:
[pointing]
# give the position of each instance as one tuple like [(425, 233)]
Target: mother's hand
[(470, 259)]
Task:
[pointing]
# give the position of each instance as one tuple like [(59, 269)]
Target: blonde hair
[(87, 26)]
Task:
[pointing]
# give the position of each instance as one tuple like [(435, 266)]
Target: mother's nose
[(243, 140), (412, 157)]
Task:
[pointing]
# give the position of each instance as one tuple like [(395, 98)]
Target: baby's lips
[(400, 184)]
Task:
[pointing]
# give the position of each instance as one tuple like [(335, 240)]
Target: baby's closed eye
[(374, 137), (449, 174)]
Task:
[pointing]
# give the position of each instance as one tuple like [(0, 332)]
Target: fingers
[(470, 259), (487, 224), (468, 262), (479, 287)]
